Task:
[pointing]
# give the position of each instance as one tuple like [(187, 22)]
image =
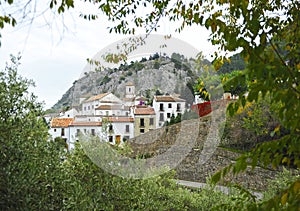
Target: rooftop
[(97, 97), (61, 122), (120, 119), (109, 107), (86, 124), (168, 98), (144, 111)]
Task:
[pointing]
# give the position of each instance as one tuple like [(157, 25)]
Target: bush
[(156, 64)]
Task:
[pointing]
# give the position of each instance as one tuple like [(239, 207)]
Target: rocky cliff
[(160, 75)]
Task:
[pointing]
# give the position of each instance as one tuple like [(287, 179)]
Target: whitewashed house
[(166, 106), (69, 114), (112, 110), (88, 118), (119, 129), (85, 128), (89, 105), (59, 127)]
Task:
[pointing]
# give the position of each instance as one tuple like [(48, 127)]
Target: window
[(77, 132), (93, 132), (84, 108), (161, 106), (54, 129), (170, 105), (62, 131), (84, 130), (129, 89), (110, 139), (142, 122), (88, 107), (161, 117), (127, 128), (151, 121), (110, 128), (178, 107), (107, 113), (92, 106), (168, 115), (142, 131)]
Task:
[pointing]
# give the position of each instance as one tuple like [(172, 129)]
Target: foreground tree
[(30, 165)]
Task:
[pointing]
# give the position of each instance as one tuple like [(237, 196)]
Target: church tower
[(130, 90)]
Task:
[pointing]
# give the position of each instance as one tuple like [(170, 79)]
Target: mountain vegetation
[(152, 76)]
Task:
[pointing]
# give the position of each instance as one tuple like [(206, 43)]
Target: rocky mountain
[(153, 76)]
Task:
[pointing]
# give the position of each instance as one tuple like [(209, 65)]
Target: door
[(118, 139)]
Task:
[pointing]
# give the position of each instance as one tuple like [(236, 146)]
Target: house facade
[(59, 127), (78, 128), (144, 120), (89, 105), (165, 106), (119, 129)]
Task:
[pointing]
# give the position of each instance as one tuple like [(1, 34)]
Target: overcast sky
[(54, 58)]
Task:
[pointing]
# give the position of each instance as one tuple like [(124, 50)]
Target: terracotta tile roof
[(97, 97), (120, 119), (168, 99), (144, 111), (86, 124), (61, 122), (109, 107)]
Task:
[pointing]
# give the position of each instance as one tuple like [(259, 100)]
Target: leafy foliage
[(235, 62), (30, 165)]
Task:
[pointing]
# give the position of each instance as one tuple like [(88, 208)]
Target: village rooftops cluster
[(115, 120)]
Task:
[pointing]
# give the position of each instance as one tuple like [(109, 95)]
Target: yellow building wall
[(147, 125)]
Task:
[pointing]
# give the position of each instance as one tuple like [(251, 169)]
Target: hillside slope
[(156, 76)]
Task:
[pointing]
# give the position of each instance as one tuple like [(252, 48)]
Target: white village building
[(59, 127), (119, 129), (166, 106), (89, 105)]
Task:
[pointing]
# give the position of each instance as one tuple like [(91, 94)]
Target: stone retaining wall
[(192, 143)]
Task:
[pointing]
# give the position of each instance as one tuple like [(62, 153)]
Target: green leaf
[(216, 177)]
